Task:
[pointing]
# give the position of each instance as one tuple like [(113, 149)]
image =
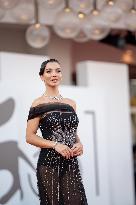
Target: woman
[(58, 176)]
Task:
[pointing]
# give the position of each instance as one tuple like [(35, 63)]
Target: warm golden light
[(95, 12), (37, 25), (50, 1), (97, 31), (128, 57), (81, 15), (111, 2), (133, 11), (67, 9)]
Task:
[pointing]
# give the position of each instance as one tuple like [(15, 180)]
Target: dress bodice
[(58, 121)]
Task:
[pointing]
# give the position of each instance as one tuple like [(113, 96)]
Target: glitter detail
[(58, 179)]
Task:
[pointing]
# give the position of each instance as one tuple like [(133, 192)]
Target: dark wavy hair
[(43, 65)]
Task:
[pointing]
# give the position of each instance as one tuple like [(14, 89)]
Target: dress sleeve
[(34, 112)]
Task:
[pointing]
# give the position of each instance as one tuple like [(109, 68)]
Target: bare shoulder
[(71, 102), (37, 101)]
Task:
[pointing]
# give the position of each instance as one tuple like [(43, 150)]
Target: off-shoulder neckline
[(52, 103)]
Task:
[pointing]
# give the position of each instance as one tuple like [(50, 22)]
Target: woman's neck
[(52, 92)]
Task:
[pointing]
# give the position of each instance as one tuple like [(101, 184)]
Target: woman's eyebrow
[(52, 68)]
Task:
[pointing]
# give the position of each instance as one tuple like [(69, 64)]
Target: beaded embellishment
[(59, 180)]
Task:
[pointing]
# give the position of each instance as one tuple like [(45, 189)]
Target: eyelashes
[(49, 71)]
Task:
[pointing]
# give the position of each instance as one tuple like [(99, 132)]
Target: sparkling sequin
[(58, 179)]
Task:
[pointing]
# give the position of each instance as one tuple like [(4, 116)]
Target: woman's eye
[(48, 71), (59, 71)]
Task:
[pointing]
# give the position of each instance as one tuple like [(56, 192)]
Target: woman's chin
[(54, 84)]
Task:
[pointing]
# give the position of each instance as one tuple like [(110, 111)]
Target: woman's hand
[(77, 149), (64, 150)]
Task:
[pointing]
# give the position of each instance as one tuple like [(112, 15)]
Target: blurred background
[(98, 30), (73, 31)]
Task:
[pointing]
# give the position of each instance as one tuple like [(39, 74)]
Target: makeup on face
[(51, 70), (52, 73)]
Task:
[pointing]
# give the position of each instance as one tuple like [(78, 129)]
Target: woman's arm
[(78, 139), (31, 131), (33, 139), (77, 147)]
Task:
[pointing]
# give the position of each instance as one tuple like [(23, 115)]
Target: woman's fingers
[(71, 152), (77, 146), (77, 149), (74, 146), (78, 153), (67, 152)]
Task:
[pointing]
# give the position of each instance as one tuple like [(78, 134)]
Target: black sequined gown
[(59, 180)]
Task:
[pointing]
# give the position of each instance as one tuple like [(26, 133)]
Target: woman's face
[(52, 75)]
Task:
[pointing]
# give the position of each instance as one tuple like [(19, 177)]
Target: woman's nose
[(54, 74)]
